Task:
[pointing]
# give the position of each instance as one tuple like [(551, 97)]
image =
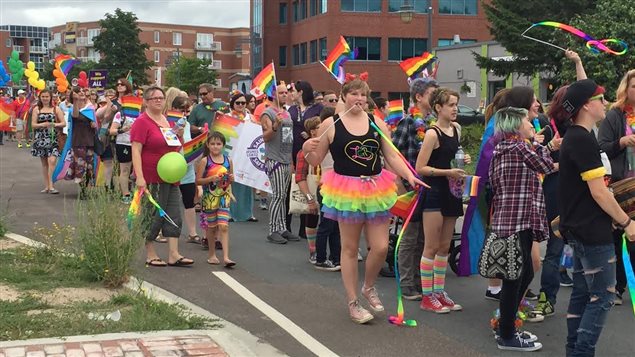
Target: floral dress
[(45, 143)]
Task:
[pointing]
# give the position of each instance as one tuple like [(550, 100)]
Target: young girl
[(215, 174), (440, 207)]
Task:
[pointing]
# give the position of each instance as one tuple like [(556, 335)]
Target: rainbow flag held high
[(65, 63), (228, 126), (174, 115), (5, 116), (194, 148), (335, 60), (395, 113), (404, 204), (131, 106), (265, 82), (415, 65)]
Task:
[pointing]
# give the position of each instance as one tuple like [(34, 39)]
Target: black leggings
[(188, 191), (513, 291)]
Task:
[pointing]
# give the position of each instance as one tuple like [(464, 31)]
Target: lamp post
[(406, 12)]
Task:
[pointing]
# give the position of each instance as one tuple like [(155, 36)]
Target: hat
[(21, 91), (101, 99), (578, 94)]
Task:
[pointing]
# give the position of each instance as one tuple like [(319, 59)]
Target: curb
[(235, 340)]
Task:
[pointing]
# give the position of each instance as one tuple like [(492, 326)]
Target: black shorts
[(188, 191), (107, 155), (124, 153), (439, 199)]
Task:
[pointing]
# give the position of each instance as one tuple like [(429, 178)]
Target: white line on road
[(294, 330)]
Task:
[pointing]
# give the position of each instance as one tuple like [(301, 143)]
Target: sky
[(215, 13)]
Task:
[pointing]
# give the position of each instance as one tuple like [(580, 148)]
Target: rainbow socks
[(311, 235), (425, 269), (440, 266)]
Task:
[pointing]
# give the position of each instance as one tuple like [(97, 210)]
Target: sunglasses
[(332, 100), (120, 84), (240, 103), (597, 97), (202, 94)]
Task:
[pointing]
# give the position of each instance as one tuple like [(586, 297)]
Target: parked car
[(468, 116)]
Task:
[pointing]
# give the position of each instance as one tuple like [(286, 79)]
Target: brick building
[(29, 41), (228, 48), (295, 34)]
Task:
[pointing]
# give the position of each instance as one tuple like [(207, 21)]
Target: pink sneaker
[(445, 300), (373, 298), (430, 303), (358, 313)]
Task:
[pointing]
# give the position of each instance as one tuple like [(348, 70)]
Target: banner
[(98, 80), (248, 157)]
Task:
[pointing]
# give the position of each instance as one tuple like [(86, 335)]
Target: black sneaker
[(517, 343), (276, 238), (491, 296), (290, 236), (525, 335), (410, 293), (327, 265), (565, 279), (531, 296)]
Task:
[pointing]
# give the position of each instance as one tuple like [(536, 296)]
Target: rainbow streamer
[(335, 60), (592, 44), (135, 207), (471, 186), (395, 113), (390, 143), (161, 211), (194, 148), (404, 204), (5, 116), (226, 125), (174, 115), (131, 106), (65, 63), (415, 65), (264, 82), (628, 269)]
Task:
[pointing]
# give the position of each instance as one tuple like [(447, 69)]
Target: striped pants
[(280, 178)]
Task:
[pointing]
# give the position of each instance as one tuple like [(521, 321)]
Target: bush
[(471, 136)]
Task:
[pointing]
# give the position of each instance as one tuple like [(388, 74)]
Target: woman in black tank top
[(358, 192), (440, 207)]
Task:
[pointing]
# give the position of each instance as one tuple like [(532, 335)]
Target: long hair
[(497, 102), (307, 92), (622, 90), (125, 83), (39, 97)]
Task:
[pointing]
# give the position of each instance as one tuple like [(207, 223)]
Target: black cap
[(578, 94)]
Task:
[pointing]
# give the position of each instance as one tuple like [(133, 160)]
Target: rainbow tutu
[(353, 199)]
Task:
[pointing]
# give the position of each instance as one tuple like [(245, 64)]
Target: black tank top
[(355, 155), (441, 157)]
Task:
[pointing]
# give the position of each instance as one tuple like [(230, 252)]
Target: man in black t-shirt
[(587, 210)]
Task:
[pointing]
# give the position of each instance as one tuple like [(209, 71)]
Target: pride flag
[(395, 113), (228, 126), (174, 115), (265, 82), (65, 159), (378, 114), (334, 62), (412, 66), (404, 204), (5, 116), (65, 62), (471, 186), (131, 106), (194, 148)]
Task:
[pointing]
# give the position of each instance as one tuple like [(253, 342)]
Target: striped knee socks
[(311, 235), (425, 269), (440, 266)]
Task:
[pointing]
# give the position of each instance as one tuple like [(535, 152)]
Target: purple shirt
[(298, 119)]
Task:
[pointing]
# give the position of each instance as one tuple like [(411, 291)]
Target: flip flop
[(194, 239), (46, 190), (229, 264), (156, 262), (181, 263), (160, 239), (213, 262)]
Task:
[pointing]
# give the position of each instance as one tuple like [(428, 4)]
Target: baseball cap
[(578, 94), (21, 91)]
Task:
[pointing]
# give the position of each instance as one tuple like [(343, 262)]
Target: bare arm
[(579, 67), (137, 147), (316, 148), (200, 169), (607, 202), (34, 122), (59, 115), (267, 127)]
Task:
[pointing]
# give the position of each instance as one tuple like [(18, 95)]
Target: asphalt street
[(282, 277)]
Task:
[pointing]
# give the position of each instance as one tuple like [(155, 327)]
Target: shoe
[(28, 145), (618, 299), (565, 279), (313, 258), (410, 293), (126, 199), (491, 296), (445, 300), (290, 236), (387, 271), (358, 313), (327, 265), (430, 303), (518, 344), (19, 146), (230, 220), (531, 296), (218, 245), (544, 307), (359, 255), (204, 244), (373, 298), (263, 204), (525, 335), (276, 238)]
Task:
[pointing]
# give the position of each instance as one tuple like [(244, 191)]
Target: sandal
[(213, 262), (54, 191), (229, 263), (181, 262), (160, 239), (194, 239), (156, 262)]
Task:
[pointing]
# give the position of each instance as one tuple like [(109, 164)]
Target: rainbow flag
[(379, 114), (471, 186), (66, 157), (265, 82), (174, 116), (412, 66), (226, 125), (5, 116), (135, 207), (65, 63), (395, 113), (131, 106), (404, 204), (194, 148), (335, 60), (99, 170)]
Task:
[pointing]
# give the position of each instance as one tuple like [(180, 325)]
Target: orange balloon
[(57, 73)]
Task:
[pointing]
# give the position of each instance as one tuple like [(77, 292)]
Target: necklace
[(422, 123), (630, 117)]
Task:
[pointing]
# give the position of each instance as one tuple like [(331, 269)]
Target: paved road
[(314, 300)]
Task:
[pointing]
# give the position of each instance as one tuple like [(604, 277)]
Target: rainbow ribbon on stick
[(592, 44), (135, 207), (161, 211), (628, 269)]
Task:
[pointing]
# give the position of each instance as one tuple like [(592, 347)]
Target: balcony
[(216, 64), (54, 43), (38, 49), (84, 41), (208, 46), (18, 48), (89, 59)]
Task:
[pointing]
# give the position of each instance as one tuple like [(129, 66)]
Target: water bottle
[(459, 158), (179, 124)]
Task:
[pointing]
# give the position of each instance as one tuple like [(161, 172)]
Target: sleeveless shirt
[(355, 155)]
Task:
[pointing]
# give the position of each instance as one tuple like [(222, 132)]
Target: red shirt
[(21, 108), (146, 131)]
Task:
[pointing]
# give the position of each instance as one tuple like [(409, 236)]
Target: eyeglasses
[(597, 97), (156, 99), (202, 94), (240, 103)]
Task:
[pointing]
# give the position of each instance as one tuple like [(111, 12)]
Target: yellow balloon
[(41, 84), (28, 73), (33, 82), (36, 75), (30, 65)]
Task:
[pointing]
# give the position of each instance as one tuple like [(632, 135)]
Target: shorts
[(214, 218), (107, 155), (124, 153), (19, 125), (188, 191), (439, 199)]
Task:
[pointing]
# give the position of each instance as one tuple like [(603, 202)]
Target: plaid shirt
[(518, 203), (405, 139), (302, 168)]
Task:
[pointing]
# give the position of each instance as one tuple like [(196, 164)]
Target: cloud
[(214, 13)]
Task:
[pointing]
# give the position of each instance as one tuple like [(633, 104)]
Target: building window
[(92, 33), (458, 7), (443, 42), (283, 13), (204, 56), (282, 56), (313, 51), (204, 40), (157, 56), (361, 5), (7, 43), (296, 55), (323, 50), (318, 7), (157, 37), (421, 6), (177, 39), (303, 57), (299, 10), (401, 48), (368, 48)]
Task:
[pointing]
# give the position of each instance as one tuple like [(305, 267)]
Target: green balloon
[(15, 54), (172, 167)]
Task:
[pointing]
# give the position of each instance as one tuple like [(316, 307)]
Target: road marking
[(294, 330)]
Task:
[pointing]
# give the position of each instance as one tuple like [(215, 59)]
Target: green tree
[(510, 18), (121, 48), (187, 73)]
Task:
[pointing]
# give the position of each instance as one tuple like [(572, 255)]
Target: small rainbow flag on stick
[(5, 116), (395, 113), (413, 66), (471, 186), (404, 204), (131, 106), (334, 62), (174, 116), (135, 207), (194, 148), (265, 82)]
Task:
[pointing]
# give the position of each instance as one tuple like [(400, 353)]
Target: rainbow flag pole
[(265, 82), (335, 60)]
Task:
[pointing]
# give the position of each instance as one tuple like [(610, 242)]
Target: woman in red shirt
[(148, 146)]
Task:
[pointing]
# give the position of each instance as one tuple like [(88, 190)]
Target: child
[(215, 174)]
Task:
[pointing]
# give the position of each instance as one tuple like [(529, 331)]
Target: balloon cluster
[(4, 76), (16, 67), (34, 77), (60, 79), (83, 80)]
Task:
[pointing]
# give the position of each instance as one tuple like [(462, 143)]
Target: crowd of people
[(530, 177)]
